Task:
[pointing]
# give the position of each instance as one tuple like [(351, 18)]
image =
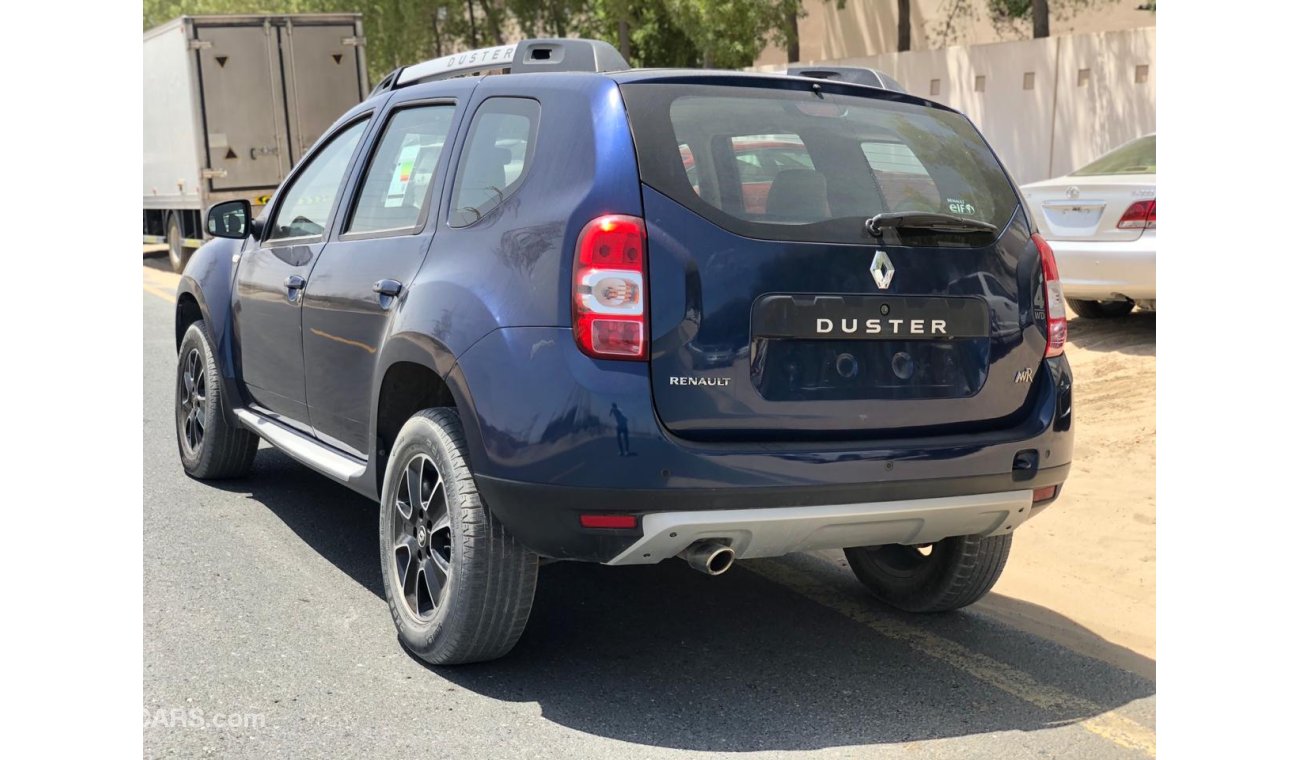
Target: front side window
[(395, 192), (496, 157), (307, 203)]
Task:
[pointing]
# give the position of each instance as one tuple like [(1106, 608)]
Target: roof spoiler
[(518, 58), (850, 74)]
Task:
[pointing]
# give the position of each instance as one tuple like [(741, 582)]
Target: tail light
[(1053, 297), (609, 273), (1139, 216)]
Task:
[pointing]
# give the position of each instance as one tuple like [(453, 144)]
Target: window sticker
[(401, 176), (957, 206)]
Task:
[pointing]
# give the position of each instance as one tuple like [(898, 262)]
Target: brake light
[(1139, 216), (1053, 297), (609, 273)]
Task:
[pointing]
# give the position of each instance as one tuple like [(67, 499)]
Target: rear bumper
[(763, 522), (1108, 271), (546, 448), (776, 531)]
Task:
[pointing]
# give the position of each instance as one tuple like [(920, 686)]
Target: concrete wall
[(870, 27), (1058, 121)]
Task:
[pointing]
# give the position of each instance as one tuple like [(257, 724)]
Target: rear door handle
[(388, 288), (293, 285)]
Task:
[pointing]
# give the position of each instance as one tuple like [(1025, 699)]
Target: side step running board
[(302, 448)]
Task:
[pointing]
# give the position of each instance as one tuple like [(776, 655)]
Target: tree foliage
[(720, 33)]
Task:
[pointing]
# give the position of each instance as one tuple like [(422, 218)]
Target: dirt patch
[(1091, 556)]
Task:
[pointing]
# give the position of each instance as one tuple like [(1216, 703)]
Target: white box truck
[(231, 103)]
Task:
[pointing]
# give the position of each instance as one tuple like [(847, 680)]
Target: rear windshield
[(1137, 157), (794, 165)]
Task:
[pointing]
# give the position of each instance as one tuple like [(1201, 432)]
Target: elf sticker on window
[(401, 175), (960, 207)]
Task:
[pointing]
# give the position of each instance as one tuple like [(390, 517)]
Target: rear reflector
[(1139, 216), (1045, 493), (1053, 297), (609, 273), (610, 521)]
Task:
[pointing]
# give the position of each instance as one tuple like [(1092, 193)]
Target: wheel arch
[(204, 292), (416, 372)]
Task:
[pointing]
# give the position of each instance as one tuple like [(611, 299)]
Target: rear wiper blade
[(925, 221)]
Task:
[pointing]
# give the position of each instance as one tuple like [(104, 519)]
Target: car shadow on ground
[(1134, 334), (665, 656)]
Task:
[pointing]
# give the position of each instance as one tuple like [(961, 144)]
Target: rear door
[(365, 273), (243, 105), (322, 71), (790, 321)]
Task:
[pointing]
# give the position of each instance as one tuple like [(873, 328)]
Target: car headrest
[(798, 195)]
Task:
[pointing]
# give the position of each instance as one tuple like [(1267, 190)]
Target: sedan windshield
[(1137, 157)]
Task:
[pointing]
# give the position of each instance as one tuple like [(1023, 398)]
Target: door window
[(496, 157), (395, 192), (307, 203)]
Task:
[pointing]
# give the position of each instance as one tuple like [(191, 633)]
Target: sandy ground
[(1091, 556), (1083, 572)]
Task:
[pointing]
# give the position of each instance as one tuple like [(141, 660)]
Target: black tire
[(955, 573), (176, 251), (1100, 309), (210, 448), (485, 579)]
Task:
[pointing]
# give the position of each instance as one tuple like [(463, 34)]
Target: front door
[(362, 277), (272, 277)]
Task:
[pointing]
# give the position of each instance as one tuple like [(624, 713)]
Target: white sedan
[(1101, 222)]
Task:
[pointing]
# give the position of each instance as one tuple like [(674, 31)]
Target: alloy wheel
[(193, 400), (421, 532)]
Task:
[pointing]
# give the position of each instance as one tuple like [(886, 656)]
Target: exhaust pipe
[(709, 557)]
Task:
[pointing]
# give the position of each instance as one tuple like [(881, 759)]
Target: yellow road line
[(1109, 725), (164, 295)]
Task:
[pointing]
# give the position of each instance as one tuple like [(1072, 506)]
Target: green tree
[(731, 33)]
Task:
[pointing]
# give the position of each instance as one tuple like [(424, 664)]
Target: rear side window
[(395, 192), (783, 164), (496, 157)]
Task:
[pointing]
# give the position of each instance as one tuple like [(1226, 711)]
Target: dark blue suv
[(577, 312)]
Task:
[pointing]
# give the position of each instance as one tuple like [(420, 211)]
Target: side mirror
[(231, 219)]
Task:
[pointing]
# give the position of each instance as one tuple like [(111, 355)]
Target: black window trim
[(354, 192), (462, 160), (266, 240)]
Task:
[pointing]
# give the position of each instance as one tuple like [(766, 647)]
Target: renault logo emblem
[(882, 269)]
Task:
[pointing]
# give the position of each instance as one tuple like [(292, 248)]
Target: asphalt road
[(266, 635)]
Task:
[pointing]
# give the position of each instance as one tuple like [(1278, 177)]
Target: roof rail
[(518, 58), (851, 74)]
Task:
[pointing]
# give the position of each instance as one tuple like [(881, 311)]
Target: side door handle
[(388, 291), (388, 288), (293, 285)]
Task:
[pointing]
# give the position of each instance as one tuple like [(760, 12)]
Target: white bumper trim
[(782, 530)]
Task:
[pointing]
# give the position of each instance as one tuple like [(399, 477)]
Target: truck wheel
[(210, 447), (1100, 309), (459, 587), (953, 573), (175, 245)]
